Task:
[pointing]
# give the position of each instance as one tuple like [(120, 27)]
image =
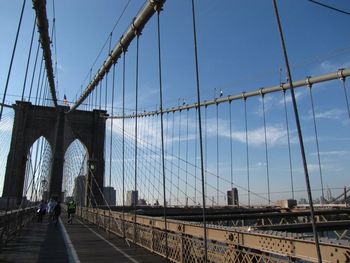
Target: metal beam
[(43, 28), (135, 28), (340, 74)]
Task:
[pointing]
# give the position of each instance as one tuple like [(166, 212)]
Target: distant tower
[(131, 198), (110, 195), (232, 197)]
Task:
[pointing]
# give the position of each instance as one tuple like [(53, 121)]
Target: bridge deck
[(77, 242)]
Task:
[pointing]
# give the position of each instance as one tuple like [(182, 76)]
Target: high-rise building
[(109, 194), (232, 197), (132, 197), (79, 190)]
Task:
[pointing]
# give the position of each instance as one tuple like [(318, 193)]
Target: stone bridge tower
[(60, 130)]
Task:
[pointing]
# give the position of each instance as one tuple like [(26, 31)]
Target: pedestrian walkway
[(77, 242)]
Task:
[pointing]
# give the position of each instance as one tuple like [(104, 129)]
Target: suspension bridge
[(254, 175)]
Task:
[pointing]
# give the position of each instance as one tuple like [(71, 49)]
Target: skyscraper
[(132, 198)]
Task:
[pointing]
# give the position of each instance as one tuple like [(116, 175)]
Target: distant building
[(79, 190), (132, 198), (109, 194), (288, 203), (232, 197), (141, 202)]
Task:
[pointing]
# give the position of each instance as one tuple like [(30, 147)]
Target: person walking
[(71, 211), (57, 212), (41, 211), (50, 209)]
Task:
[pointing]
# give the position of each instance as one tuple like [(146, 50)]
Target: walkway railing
[(12, 223), (185, 240)]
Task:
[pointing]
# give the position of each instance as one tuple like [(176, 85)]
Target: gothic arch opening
[(6, 127), (37, 171), (75, 172)]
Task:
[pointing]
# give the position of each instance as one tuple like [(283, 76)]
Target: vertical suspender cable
[(110, 146), (12, 57), (317, 143), (152, 162), (111, 133), (200, 133), (96, 98), (38, 90), (288, 138), (109, 52), (178, 161), (33, 75), (28, 60), (172, 155), (266, 151), (342, 78), (42, 96), (89, 103), (93, 99), (206, 149), (231, 150), (123, 144), (167, 138), (99, 106), (166, 134), (195, 159), (217, 154), (162, 134), (89, 100), (247, 147), (186, 167), (136, 110), (300, 136)]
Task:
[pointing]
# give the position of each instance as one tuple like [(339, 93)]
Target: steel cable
[(11, 62)]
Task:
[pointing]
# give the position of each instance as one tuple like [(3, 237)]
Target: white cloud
[(275, 134), (328, 66), (332, 153), (332, 114)]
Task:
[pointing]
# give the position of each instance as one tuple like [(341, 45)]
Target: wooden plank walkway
[(78, 242)]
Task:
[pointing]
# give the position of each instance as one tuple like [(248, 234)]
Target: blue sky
[(239, 50)]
